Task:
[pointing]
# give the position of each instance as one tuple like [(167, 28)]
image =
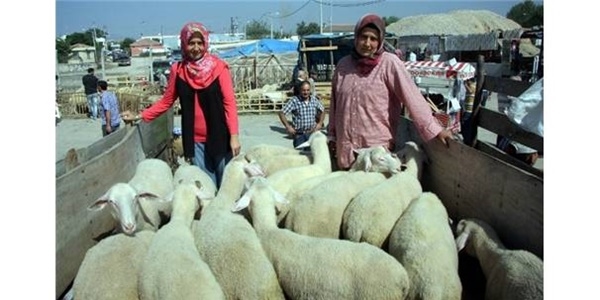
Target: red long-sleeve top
[(170, 95)]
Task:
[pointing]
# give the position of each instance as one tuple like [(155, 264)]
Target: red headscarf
[(366, 64), (199, 73)]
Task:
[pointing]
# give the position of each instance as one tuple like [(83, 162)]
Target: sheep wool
[(372, 214), (172, 268), (230, 246), (110, 268), (319, 212), (510, 274), (423, 242), (283, 180), (319, 268)]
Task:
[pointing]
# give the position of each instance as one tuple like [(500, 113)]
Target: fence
[(74, 104), (259, 83)]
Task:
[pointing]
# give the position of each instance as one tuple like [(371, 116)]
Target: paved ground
[(255, 129)]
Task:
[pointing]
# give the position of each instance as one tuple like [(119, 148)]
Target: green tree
[(527, 14), (62, 50), (126, 43), (303, 29), (257, 30), (389, 20)]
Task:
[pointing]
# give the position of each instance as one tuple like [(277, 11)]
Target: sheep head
[(123, 200), (376, 159)]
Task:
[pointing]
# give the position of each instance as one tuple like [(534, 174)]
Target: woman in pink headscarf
[(368, 91), (209, 120)]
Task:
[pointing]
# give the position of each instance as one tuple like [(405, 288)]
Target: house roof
[(145, 43), (81, 47)]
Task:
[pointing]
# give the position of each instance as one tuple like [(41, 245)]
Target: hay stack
[(459, 22)]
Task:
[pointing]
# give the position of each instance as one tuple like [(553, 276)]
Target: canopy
[(265, 46), (440, 69)]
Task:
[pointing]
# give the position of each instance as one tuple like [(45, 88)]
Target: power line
[(294, 12)]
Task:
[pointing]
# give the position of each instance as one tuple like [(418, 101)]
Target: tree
[(62, 50), (389, 20), (302, 29), (527, 14), (126, 43), (257, 30)]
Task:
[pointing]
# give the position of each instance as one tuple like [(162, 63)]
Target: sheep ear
[(99, 204), (461, 241), (368, 163), (303, 145), (253, 169), (151, 196), (279, 197), (242, 203)]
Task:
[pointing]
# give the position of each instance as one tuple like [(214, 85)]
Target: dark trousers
[(300, 138), (114, 128)]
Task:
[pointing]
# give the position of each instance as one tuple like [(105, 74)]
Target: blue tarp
[(265, 46)]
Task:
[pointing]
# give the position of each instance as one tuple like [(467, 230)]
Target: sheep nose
[(129, 228)]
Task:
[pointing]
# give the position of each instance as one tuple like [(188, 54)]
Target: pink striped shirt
[(365, 110)]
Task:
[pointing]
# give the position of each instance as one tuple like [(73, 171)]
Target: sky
[(132, 18)]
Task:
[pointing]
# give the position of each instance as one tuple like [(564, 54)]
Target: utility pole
[(321, 18)]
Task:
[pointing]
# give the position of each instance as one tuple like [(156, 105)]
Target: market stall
[(440, 69)]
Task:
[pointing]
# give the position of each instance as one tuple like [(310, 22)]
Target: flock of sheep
[(284, 226)]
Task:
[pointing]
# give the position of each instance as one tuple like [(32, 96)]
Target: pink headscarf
[(366, 64), (200, 73)]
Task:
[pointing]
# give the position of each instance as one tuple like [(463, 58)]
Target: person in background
[(302, 76), (369, 90), (307, 112), (90, 85), (109, 109), (312, 78), (162, 81), (209, 119), (521, 152)]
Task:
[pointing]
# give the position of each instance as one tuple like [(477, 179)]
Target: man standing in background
[(109, 109), (90, 85)]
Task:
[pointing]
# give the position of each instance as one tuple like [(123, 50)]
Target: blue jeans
[(300, 138), (213, 166), (92, 100)]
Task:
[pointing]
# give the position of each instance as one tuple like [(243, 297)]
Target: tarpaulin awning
[(440, 69)]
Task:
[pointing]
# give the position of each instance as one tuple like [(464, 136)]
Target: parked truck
[(472, 180)]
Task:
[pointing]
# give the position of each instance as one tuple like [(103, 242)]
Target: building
[(82, 54), (142, 46)]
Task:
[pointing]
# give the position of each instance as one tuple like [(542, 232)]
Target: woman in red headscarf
[(209, 120), (368, 90)]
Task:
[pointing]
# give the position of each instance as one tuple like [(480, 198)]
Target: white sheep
[(320, 268), (371, 215), (275, 163), (376, 159), (110, 268), (423, 242), (153, 178), (510, 274), (262, 151), (192, 173), (283, 180), (229, 245), (319, 211), (296, 191), (172, 267)]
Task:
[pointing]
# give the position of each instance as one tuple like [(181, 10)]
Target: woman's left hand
[(445, 136), (234, 142)]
